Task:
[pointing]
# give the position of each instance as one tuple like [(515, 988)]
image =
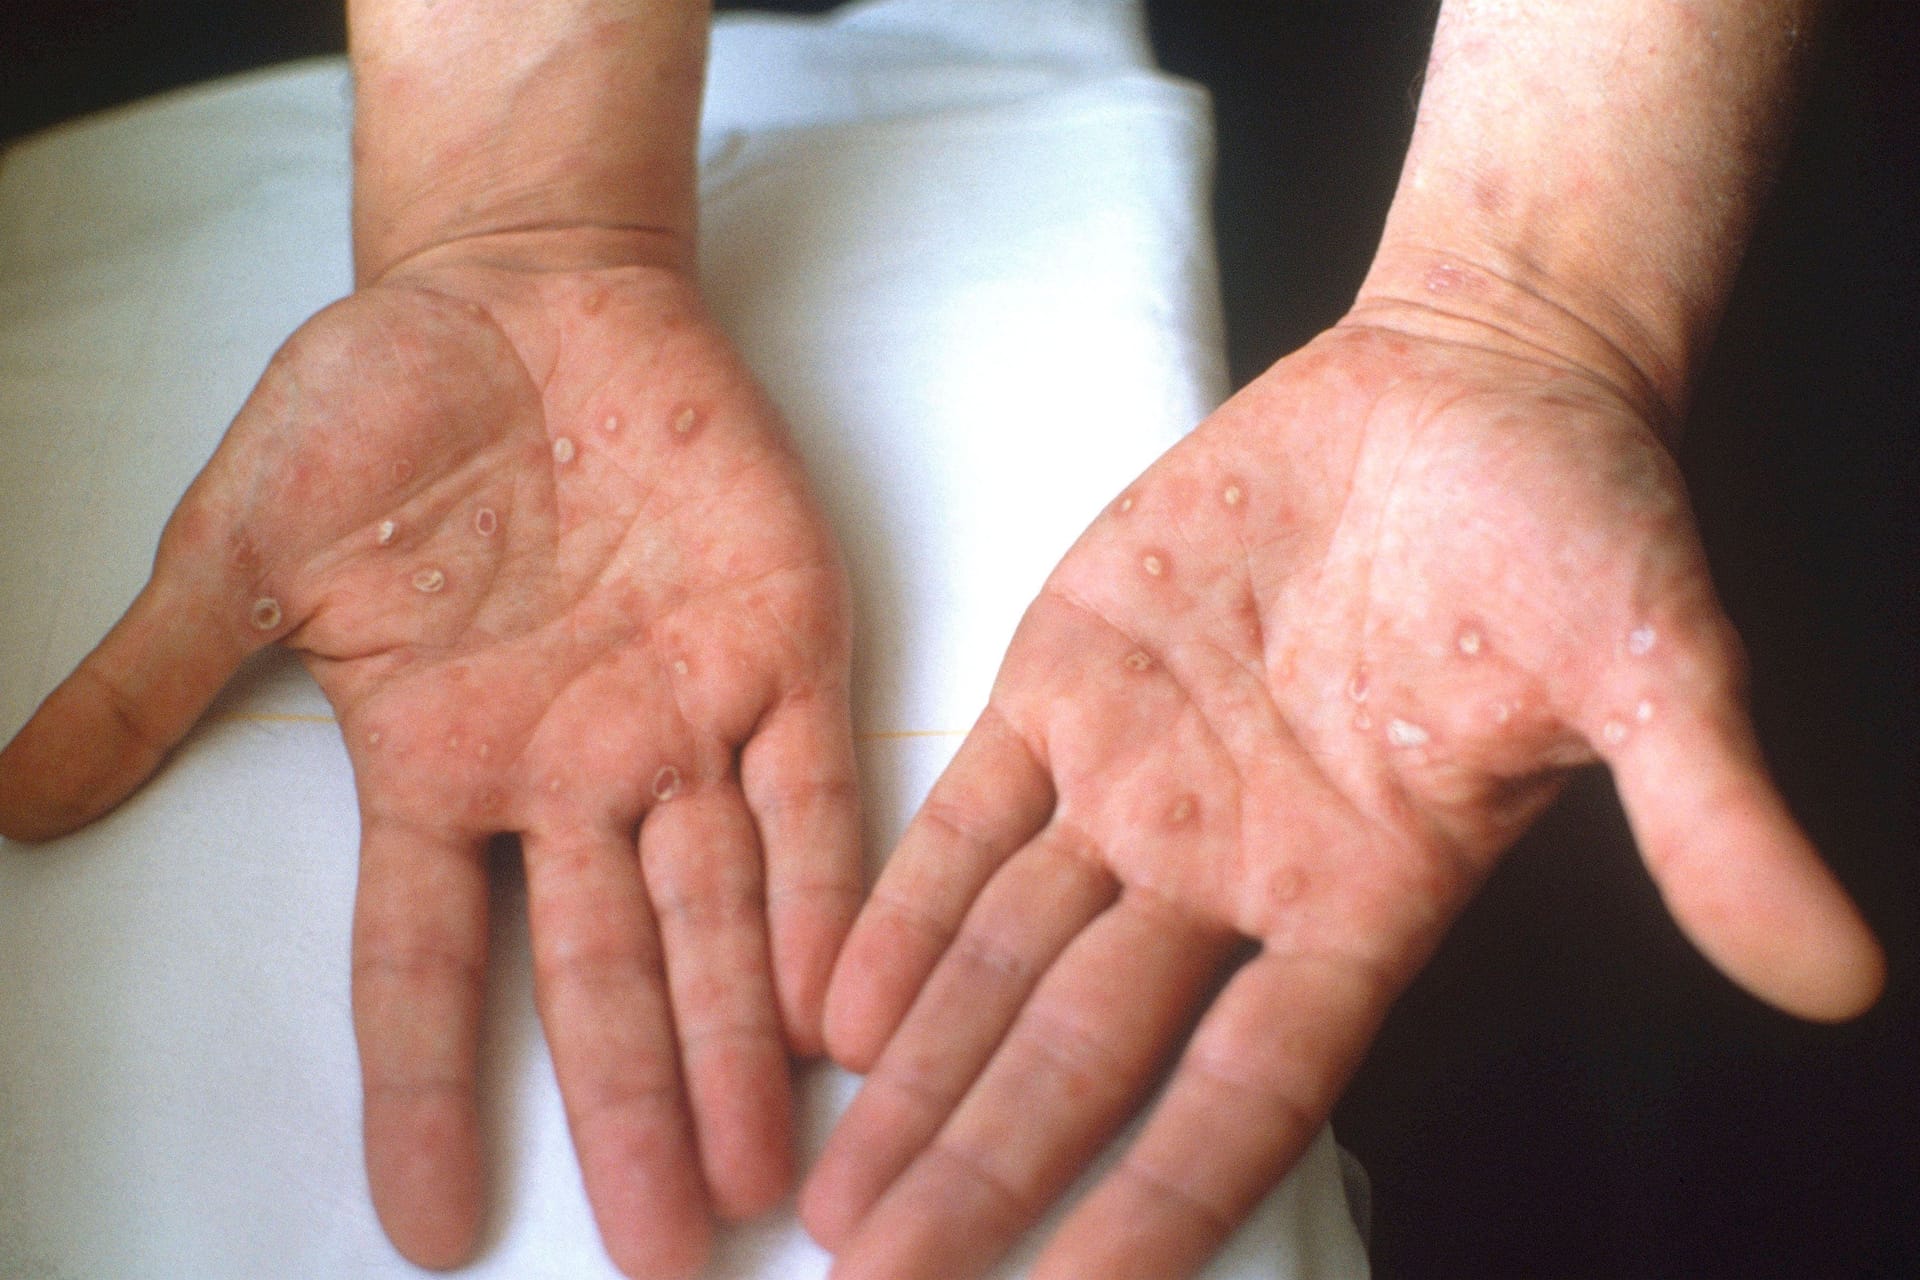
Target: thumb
[(108, 726), (1736, 871)]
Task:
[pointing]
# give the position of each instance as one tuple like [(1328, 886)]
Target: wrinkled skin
[(630, 648), (1291, 694)]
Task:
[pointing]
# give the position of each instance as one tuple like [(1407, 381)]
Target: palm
[(1380, 644), (1297, 686), (546, 549)]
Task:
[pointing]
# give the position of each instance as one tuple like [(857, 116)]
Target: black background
[(1568, 1090)]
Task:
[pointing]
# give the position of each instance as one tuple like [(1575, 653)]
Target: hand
[(1284, 704), (546, 549)]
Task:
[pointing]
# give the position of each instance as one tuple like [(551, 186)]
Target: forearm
[(477, 117), (1585, 175)]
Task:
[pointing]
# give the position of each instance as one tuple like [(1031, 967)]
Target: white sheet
[(964, 245)]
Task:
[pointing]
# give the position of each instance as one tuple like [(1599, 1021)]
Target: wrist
[(1484, 296), (1581, 179), (482, 119), (543, 250)]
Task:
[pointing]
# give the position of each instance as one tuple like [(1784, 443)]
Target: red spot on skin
[(241, 552), (1393, 344), (1490, 193), (1449, 277)]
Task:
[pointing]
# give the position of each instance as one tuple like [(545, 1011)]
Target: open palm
[(1284, 704), (545, 547)]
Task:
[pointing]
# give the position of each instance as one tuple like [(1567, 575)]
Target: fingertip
[(992, 798), (1838, 973), (657, 1226), (743, 1109), (860, 1014), (822, 1212), (106, 727), (71, 763), (648, 1198), (872, 1143), (746, 1199), (801, 784), (1740, 877), (654, 1217), (805, 950), (424, 1171), (678, 1254)]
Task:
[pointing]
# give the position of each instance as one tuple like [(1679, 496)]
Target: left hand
[(1297, 687)]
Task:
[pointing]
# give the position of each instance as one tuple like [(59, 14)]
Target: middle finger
[(601, 989)]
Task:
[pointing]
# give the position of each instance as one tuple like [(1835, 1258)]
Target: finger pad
[(424, 1167), (880, 969), (63, 771)]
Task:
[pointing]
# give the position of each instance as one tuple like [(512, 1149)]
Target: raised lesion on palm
[(1302, 682), (1431, 635), (480, 524)]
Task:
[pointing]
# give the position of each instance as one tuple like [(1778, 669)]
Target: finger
[(1028, 913), (1735, 870), (602, 995), (702, 865), (802, 787), (1255, 1085), (107, 727), (1074, 1065), (991, 800), (419, 964)]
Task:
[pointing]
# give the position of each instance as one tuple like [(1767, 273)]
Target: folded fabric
[(965, 247)]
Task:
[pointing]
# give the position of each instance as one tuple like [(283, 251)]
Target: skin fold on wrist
[(1583, 177), (570, 125)]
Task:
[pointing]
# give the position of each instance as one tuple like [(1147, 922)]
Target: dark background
[(1568, 1090)]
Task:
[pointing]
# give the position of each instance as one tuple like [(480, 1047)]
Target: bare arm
[(1580, 188), (475, 117), (1584, 176), (1305, 680), (546, 547)]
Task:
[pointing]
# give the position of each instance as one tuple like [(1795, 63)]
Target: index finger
[(419, 960)]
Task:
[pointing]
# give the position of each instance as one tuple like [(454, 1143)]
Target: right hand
[(548, 552)]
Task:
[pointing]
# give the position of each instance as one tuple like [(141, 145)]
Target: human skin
[(1281, 708), (548, 551)]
